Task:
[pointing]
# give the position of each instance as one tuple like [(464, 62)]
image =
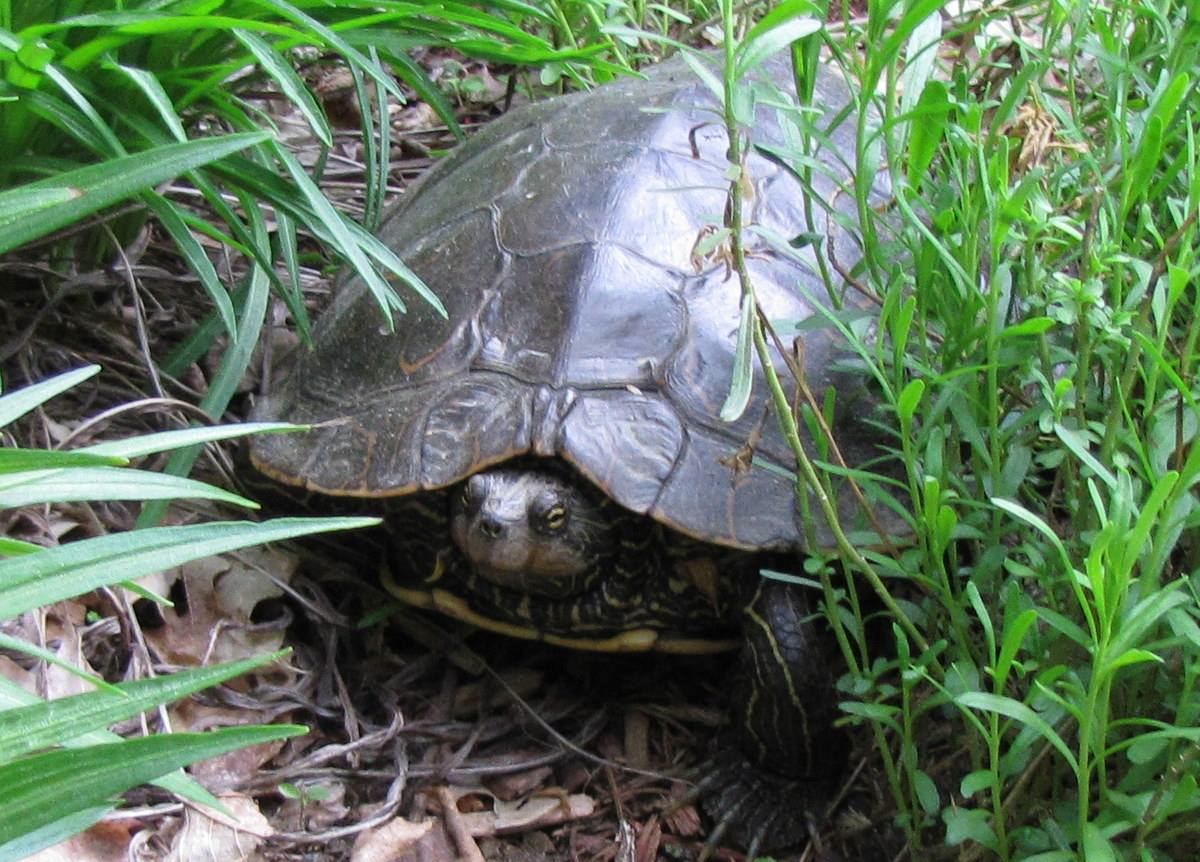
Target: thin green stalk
[(808, 477)]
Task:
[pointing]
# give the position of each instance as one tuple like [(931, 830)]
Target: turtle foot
[(759, 810)]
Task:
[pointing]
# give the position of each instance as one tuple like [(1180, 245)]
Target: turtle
[(552, 438)]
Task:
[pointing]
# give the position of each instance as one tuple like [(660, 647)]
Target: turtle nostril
[(490, 526)]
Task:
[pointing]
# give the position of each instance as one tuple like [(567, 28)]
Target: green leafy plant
[(1041, 342), (1036, 338), (59, 767)]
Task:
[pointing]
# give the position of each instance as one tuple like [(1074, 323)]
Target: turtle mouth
[(525, 571)]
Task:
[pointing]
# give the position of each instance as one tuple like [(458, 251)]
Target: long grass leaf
[(164, 441), (15, 460), (97, 186), (17, 645), (1015, 709), (292, 86), (77, 484), (46, 724), (69, 570), (52, 833), (172, 221), (16, 404), (743, 364), (38, 790), (179, 783)]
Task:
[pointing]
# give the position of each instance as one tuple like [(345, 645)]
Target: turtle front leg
[(785, 693), (766, 794)]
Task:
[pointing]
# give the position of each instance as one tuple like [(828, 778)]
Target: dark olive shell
[(581, 323)]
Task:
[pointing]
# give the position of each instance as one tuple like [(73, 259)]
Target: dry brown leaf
[(522, 682), (544, 809), (13, 672), (106, 841), (62, 624), (414, 117), (229, 770), (221, 595), (210, 837), (456, 826), (400, 839), (514, 785)]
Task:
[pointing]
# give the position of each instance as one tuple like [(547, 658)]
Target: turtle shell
[(581, 323)]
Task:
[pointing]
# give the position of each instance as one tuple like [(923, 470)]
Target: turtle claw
[(755, 809)]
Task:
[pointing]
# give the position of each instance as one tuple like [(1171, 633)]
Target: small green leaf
[(743, 364), (927, 792), (768, 38), (910, 397), (968, 824), (976, 782), (1096, 847), (875, 712), (1016, 710), (927, 126), (1028, 326), (1014, 637)]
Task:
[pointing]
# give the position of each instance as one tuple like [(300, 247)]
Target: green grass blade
[(179, 783), (172, 220), (52, 833), (16, 404), (79, 484), (7, 642), (39, 790), (15, 460), (292, 86), (44, 725), (69, 570), (164, 441), (1015, 709), (157, 96), (743, 364), (343, 239), (95, 187)]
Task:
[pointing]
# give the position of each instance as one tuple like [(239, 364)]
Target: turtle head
[(530, 530)]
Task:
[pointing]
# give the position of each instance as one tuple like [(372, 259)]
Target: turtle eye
[(470, 493), (555, 518)]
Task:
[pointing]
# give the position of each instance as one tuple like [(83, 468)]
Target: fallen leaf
[(106, 841), (543, 809), (399, 839), (213, 622), (514, 785), (211, 837)]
